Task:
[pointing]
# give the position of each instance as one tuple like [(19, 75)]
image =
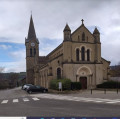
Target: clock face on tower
[(32, 44)]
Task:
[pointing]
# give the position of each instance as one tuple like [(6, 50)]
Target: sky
[(50, 18)]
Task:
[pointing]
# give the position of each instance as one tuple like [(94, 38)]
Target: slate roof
[(42, 60), (31, 32)]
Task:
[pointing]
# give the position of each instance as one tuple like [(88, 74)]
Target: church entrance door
[(83, 81)]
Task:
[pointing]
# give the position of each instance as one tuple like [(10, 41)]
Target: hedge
[(75, 85), (109, 84), (66, 84)]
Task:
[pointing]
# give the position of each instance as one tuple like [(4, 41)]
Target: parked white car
[(26, 86)]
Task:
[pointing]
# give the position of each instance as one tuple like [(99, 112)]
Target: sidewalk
[(84, 93), (97, 94)]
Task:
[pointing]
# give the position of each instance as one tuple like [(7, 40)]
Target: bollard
[(117, 90), (91, 91), (104, 91)]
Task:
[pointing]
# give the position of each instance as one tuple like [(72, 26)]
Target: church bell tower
[(96, 35), (67, 44), (32, 52)]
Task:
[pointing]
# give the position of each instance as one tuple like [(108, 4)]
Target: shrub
[(54, 84), (66, 84), (109, 84), (4, 85), (75, 85)]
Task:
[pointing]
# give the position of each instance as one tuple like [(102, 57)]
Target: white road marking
[(15, 100), (83, 99), (69, 98), (111, 102), (77, 100), (98, 101), (35, 99), (25, 99), (88, 100), (4, 101)]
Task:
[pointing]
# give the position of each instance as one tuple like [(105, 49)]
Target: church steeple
[(96, 31), (96, 35), (31, 31), (67, 33), (67, 28)]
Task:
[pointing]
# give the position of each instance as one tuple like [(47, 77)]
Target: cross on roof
[(82, 21)]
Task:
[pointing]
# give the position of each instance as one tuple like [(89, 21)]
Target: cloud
[(49, 21), (5, 47), (20, 55), (50, 18), (18, 65)]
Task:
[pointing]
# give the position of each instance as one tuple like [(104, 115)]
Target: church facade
[(77, 58)]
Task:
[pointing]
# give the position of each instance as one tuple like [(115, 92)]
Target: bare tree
[(1, 69), (118, 69), (13, 78), (118, 63), (115, 71), (3, 83), (1, 72)]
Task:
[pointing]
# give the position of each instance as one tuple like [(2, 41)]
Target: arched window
[(88, 55), (83, 36), (77, 54), (34, 51), (58, 73), (30, 52), (83, 53)]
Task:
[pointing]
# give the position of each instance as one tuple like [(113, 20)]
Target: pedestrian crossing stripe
[(26, 99), (35, 99), (15, 100), (4, 101)]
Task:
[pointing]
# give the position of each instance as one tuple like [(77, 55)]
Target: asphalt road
[(52, 107)]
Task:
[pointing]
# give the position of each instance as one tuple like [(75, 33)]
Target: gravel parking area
[(12, 93)]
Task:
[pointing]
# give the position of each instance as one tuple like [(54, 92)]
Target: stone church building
[(77, 58)]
